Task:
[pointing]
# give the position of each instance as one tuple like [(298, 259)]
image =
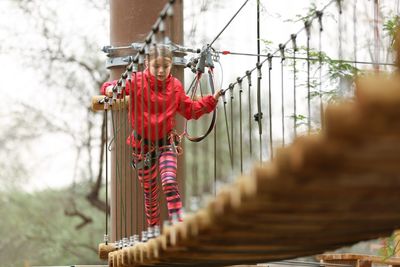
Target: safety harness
[(171, 142)]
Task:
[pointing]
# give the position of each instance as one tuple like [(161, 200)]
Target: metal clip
[(239, 82), (231, 86), (106, 103), (269, 61), (282, 50), (144, 236), (307, 26), (119, 88), (248, 74), (339, 3), (258, 117), (147, 159), (294, 44), (259, 73), (319, 15)]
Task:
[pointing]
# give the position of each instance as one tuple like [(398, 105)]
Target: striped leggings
[(166, 167)]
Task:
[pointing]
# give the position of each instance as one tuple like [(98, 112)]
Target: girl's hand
[(217, 94), (109, 91)]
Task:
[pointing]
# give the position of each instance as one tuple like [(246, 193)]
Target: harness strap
[(170, 143)]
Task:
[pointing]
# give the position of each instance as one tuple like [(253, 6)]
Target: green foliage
[(336, 68), (268, 45), (311, 13), (35, 230), (390, 25), (331, 96), (300, 119), (333, 72)]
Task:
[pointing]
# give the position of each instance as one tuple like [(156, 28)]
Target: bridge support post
[(131, 21)]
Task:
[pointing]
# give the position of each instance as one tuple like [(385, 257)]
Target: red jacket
[(163, 106)]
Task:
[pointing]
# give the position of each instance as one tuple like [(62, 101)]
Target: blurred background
[(52, 202)]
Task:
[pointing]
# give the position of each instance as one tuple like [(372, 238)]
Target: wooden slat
[(351, 257)]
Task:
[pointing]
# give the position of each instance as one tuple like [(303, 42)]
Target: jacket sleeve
[(112, 83), (194, 109)]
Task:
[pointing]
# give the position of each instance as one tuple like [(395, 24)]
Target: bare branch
[(75, 213), (93, 196)]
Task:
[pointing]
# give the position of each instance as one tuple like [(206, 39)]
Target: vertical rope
[(239, 80), (248, 74), (141, 61), (118, 177), (106, 183), (270, 106), (259, 113), (227, 133), (321, 106), (117, 169), (147, 56), (119, 158), (113, 115), (232, 124), (215, 157), (133, 97), (157, 137), (282, 48), (164, 104), (355, 32), (130, 149), (123, 151), (376, 34), (339, 3), (294, 47), (307, 25)]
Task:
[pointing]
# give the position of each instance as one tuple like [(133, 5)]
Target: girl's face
[(160, 67)]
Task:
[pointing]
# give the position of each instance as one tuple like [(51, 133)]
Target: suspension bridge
[(324, 175)]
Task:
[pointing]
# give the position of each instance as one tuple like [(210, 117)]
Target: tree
[(67, 67)]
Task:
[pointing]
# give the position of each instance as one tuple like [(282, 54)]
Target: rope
[(105, 144), (232, 127), (321, 105), (147, 56), (144, 221), (118, 181), (283, 104), (285, 43), (248, 73), (215, 158), (307, 25), (227, 133), (294, 46), (259, 114), (313, 59), (229, 22), (270, 107), (240, 124), (214, 116), (135, 150), (355, 32)]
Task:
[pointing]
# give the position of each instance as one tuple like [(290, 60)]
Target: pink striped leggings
[(166, 167)]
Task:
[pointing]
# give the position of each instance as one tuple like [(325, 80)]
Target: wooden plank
[(363, 257)]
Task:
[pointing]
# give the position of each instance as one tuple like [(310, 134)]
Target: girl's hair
[(160, 51)]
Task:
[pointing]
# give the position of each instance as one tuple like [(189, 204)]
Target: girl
[(156, 96)]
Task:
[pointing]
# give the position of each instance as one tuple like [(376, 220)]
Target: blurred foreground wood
[(357, 260)]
